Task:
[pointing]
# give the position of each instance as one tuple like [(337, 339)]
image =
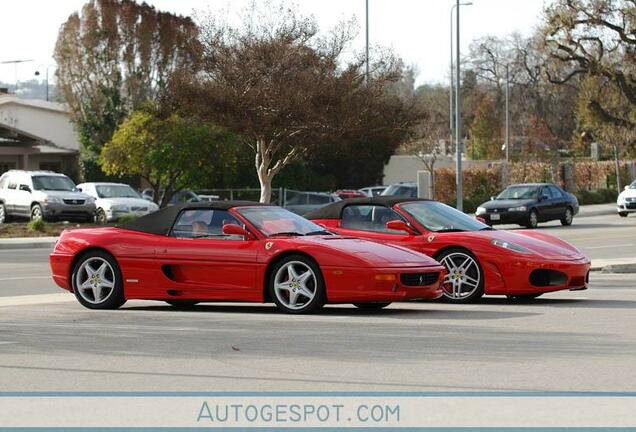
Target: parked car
[(209, 197), (626, 202), (114, 200), (479, 260), (304, 202), (404, 190), (372, 191), (349, 193), (183, 196), (528, 204), (236, 251), (43, 195)]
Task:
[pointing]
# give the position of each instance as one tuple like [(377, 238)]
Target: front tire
[(622, 214), (568, 217), (533, 219), (100, 217), (371, 306), (464, 282), (296, 285), (3, 213), (36, 212), (97, 281)]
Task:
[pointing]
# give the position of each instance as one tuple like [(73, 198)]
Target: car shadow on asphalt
[(399, 311), (562, 303)]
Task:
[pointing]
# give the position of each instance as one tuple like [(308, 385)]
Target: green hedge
[(601, 196)]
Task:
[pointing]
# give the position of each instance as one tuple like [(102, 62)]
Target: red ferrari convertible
[(479, 259), (237, 251)]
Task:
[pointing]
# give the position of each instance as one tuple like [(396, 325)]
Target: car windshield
[(273, 221), (116, 191), (400, 190), (53, 183), (519, 193), (438, 217), (633, 185)]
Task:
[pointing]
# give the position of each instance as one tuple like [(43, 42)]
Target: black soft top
[(333, 211), (162, 221)]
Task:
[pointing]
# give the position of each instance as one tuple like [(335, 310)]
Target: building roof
[(161, 222), (334, 210), (34, 103)]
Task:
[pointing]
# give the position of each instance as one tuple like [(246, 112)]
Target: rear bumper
[(346, 285), (535, 276), (61, 270)]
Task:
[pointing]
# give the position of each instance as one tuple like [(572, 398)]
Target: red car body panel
[(505, 272), (162, 267)]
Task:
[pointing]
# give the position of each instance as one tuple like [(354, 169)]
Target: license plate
[(495, 216)]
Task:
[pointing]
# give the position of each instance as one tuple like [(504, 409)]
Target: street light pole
[(507, 115), (458, 114), (451, 117), (367, 40), (37, 73)]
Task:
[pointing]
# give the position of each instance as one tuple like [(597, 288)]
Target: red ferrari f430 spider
[(479, 259), (237, 251)]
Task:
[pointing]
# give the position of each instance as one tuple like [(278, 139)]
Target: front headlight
[(511, 246), (621, 199), (90, 200), (518, 209), (53, 200), (480, 210)]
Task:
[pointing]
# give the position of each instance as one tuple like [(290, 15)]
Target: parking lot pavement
[(565, 341)]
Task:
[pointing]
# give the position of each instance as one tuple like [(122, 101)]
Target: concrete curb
[(28, 243), (619, 268)]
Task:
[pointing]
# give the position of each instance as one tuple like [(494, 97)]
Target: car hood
[(541, 244), (497, 204), (629, 193), (136, 202), (365, 251), (65, 194)]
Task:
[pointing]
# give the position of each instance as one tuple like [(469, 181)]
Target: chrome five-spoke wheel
[(464, 282), (297, 285), (97, 281)]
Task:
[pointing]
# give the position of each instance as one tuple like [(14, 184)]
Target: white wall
[(51, 125), (404, 168)]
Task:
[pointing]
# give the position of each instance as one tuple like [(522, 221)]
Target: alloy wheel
[(95, 280), (295, 285), (3, 214), (463, 278), (534, 219), (36, 213)]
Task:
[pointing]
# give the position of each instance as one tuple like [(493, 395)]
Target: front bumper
[(68, 211), (514, 276), (112, 216), (626, 207), (347, 284), (505, 217)]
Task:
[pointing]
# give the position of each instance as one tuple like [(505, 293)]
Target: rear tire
[(97, 281), (371, 306), (296, 285), (622, 214), (568, 217), (533, 219), (182, 303)]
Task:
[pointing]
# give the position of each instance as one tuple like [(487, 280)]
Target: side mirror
[(233, 229), (492, 198), (544, 197), (627, 187), (25, 188), (399, 225)]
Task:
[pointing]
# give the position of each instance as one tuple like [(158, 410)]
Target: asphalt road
[(562, 341)]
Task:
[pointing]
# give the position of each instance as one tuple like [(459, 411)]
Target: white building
[(404, 168), (36, 135)]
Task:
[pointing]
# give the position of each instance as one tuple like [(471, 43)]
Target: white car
[(626, 202), (372, 191), (114, 200)]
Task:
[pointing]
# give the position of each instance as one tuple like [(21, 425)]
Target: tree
[(170, 154), (285, 89), (112, 59), (485, 141)]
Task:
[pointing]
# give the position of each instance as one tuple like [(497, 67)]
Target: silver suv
[(43, 195)]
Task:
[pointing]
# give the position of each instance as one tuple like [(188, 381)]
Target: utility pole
[(367, 40), (507, 115), (451, 116)]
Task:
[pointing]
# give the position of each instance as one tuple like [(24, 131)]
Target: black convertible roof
[(333, 211), (162, 221)]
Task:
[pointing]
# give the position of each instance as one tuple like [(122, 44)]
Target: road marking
[(7, 343), (24, 278), (609, 246), (36, 299)]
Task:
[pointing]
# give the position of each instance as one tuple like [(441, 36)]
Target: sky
[(417, 30)]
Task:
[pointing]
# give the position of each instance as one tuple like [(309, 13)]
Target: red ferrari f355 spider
[(479, 259), (237, 251)]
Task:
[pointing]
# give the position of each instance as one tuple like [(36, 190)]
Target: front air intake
[(419, 279), (547, 278)]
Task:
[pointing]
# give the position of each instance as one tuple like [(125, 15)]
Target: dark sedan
[(529, 204)]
